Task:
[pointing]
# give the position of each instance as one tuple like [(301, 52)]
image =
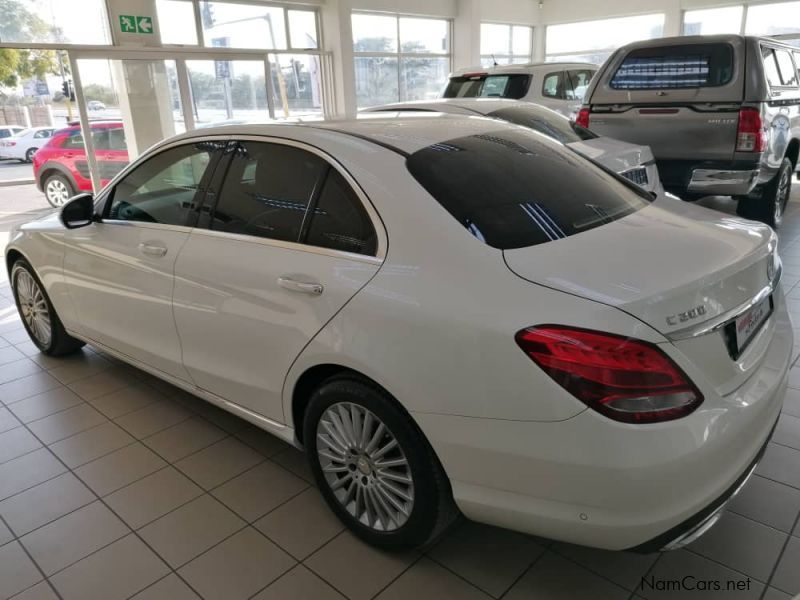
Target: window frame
[(561, 73), (511, 55), (772, 51), (221, 172)]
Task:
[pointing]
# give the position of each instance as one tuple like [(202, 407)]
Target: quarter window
[(771, 68), (267, 191), (339, 221), (788, 72), (553, 85), (162, 189)]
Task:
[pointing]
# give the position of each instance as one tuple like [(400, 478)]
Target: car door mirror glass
[(78, 212)]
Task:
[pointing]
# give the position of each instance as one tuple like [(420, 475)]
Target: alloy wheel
[(781, 196), (365, 467), (33, 306), (57, 192), (29, 155)]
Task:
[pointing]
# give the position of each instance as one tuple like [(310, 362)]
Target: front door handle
[(304, 287), (152, 250)]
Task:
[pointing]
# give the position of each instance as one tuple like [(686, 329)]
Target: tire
[(29, 154), (58, 189), (385, 518), (37, 313), (767, 203)]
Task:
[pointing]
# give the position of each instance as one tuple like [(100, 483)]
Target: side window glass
[(100, 139), (4, 133), (116, 139), (162, 189), (339, 220), (74, 141), (578, 82), (267, 190), (553, 85), (771, 67), (786, 67)]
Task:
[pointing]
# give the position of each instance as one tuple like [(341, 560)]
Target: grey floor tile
[(185, 438), (27, 471), (426, 580), (17, 370), (7, 420), (153, 418), (27, 386), (299, 584), (623, 568), (17, 572), (5, 534), (40, 591), (78, 366), (301, 525), (787, 431), (488, 557), (782, 464), (114, 573), (295, 460), (190, 530), (170, 587), (791, 403), (683, 575), (126, 400), (10, 354), (744, 545), (45, 404), (17, 336), (221, 418), (66, 423), (266, 443), (334, 563), (768, 502), (44, 503), (91, 444), (120, 468), (775, 594), (105, 382), (787, 575), (259, 490), (16, 442), (153, 496), (219, 462), (555, 577), (73, 536), (242, 565)]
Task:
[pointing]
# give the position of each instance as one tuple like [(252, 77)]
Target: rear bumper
[(722, 182), (711, 177)]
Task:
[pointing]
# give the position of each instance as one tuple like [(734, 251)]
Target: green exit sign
[(135, 24)]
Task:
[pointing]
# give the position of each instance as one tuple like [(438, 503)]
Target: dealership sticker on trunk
[(750, 322)]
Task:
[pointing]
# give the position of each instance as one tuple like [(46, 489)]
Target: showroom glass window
[(712, 21), (54, 21), (399, 58), (594, 41), (780, 18), (505, 44), (163, 188)]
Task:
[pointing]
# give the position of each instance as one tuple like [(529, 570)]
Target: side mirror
[(78, 212)]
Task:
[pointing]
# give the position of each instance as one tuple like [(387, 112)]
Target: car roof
[(522, 68), (704, 39), (401, 132)]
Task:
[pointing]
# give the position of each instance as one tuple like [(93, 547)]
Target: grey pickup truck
[(721, 114)]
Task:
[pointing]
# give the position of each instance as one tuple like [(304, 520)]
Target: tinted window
[(786, 67), (339, 220), (74, 140), (499, 86), (547, 122), (4, 133), (163, 188), (43, 133), (513, 188), (577, 82), (267, 190), (109, 139), (553, 85), (673, 67)]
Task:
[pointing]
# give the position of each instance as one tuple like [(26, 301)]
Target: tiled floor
[(114, 485)]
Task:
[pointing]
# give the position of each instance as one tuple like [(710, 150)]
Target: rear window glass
[(547, 122), (675, 67), (513, 188), (490, 86)]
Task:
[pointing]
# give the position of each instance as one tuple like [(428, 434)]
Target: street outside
[(13, 169), (18, 204)]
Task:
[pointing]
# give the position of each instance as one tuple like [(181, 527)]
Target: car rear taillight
[(583, 118), (750, 135), (625, 379)]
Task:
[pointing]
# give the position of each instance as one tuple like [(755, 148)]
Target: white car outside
[(632, 161), (24, 144), (444, 312), (556, 85)]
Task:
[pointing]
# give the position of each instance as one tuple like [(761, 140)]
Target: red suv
[(62, 169)]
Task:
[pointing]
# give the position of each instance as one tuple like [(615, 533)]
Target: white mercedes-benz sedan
[(632, 161), (447, 313)]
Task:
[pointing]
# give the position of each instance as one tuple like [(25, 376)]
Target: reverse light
[(750, 135), (583, 118), (625, 379)]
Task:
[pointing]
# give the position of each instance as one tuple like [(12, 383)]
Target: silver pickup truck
[(721, 114)]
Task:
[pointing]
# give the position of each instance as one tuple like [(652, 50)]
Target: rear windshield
[(513, 188), (547, 122), (488, 86), (675, 67)]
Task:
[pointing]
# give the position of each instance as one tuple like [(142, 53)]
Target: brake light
[(583, 118), (625, 379), (10, 143), (750, 134)]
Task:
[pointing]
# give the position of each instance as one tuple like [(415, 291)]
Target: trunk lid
[(672, 265), (614, 154)]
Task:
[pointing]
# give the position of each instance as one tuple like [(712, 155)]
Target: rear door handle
[(304, 287), (152, 250)]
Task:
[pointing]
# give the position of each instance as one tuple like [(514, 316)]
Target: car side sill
[(279, 430)]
